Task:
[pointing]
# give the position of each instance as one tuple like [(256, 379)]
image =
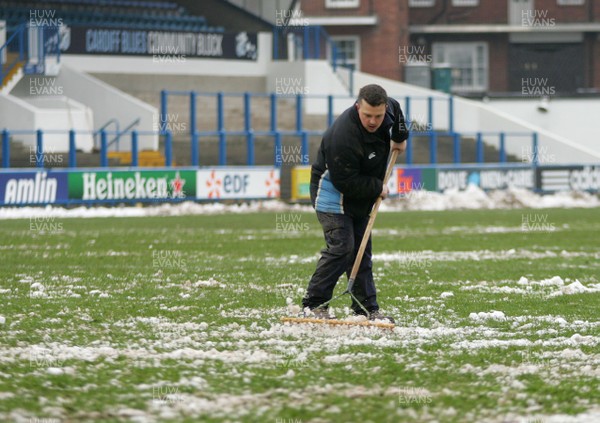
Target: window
[(421, 3), (332, 4), (571, 2), (469, 63), (348, 51), (461, 3)]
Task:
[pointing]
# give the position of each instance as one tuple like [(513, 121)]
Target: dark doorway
[(559, 66)]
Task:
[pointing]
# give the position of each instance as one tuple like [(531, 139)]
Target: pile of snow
[(471, 198), (574, 288), (553, 281), (483, 316), (210, 283), (186, 208), (475, 198), (570, 289)]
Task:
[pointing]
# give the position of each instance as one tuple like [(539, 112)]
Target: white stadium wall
[(311, 77), (16, 113), (56, 115), (108, 102), (566, 117)]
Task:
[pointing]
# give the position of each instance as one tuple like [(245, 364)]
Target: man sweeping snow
[(346, 180)]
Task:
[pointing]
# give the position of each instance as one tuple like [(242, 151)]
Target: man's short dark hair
[(373, 94)]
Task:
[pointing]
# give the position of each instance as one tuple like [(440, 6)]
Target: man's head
[(371, 105)]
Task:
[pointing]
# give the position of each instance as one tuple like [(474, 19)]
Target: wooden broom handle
[(367, 234)]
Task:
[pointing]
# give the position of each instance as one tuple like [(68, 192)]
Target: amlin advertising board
[(20, 188)]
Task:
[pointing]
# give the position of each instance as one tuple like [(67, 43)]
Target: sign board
[(407, 180), (568, 178), (164, 46), (301, 183), (21, 188), (486, 178), (237, 183), (140, 185)]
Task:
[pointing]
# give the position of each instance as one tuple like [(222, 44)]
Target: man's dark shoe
[(318, 313), (377, 315)]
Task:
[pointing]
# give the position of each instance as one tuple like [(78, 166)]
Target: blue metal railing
[(39, 159), (220, 131), (303, 136), (15, 42), (117, 132), (47, 40), (114, 122), (128, 129)]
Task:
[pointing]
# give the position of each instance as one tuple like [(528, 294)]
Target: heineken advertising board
[(141, 185)]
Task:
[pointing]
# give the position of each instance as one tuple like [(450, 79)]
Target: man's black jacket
[(347, 176)]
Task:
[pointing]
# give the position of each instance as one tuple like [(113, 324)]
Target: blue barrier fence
[(44, 41), (302, 133), (303, 137), (38, 152), (16, 43)]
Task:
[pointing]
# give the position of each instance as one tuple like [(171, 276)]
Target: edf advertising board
[(237, 183)]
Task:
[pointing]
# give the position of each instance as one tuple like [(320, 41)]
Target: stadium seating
[(134, 14)]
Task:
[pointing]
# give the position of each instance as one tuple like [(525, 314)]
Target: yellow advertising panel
[(301, 183)]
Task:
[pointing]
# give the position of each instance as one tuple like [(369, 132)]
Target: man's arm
[(398, 137), (399, 130)]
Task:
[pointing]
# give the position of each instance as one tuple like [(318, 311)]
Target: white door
[(517, 11)]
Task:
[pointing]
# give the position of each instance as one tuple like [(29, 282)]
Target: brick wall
[(488, 12), (379, 43), (496, 12), (317, 8), (563, 14)]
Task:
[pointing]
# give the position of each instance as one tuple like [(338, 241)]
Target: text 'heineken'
[(96, 187)]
